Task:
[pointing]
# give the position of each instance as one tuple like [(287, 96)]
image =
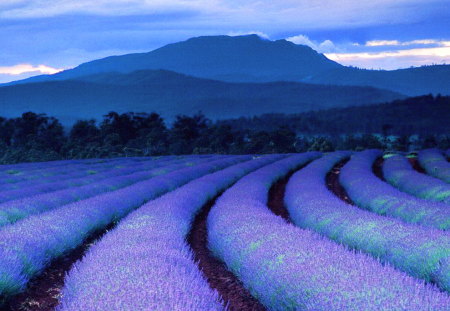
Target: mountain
[(412, 81), (253, 59), (170, 93), (233, 59)]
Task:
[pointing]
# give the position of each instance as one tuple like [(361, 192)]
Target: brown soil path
[(333, 184), (229, 287), (377, 168), (416, 165)]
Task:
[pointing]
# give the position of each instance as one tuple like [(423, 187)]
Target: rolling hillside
[(169, 94)]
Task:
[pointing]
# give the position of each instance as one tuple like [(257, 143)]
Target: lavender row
[(288, 268), (88, 171), (145, 263), (51, 174), (27, 247), (371, 193), (435, 164), (73, 180), (13, 211), (66, 174), (399, 173), (4, 168), (413, 249), (29, 166)]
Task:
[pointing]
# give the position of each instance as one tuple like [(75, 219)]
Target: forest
[(403, 125)]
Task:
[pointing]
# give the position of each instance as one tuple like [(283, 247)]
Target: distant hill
[(253, 59), (170, 93)]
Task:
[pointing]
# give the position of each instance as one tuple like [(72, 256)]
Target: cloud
[(394, 59), (245, 14), (373, 43), (28, 68), (243, 33), (326, 46)]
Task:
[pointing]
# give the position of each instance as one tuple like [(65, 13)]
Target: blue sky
[(44, 36)]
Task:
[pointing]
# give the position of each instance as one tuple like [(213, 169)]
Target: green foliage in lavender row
[(288, 268), (435, 164), (399, 173), (413, 249), (28, 246), (370, 192), (153, 269), (15, 210)]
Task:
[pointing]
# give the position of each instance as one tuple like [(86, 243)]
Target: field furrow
[(410, 248), (370, 192), (151, 266), (29, 246), (288, 268), (399, 173), (435, 164)]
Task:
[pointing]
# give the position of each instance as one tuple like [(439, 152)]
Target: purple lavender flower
[(288, 268), (435, 164)]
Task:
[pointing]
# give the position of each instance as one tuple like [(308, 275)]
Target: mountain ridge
[(250, 58)]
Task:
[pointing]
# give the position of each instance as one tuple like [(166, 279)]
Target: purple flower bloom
[(288, 268)]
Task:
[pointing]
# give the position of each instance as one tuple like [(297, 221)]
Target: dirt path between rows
[(229, 287), (416, 165), (333, 184), (44, 291), (275, 201), (377, 168)]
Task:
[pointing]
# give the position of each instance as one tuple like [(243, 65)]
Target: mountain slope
[(252, 59), (235, 59), (169, 94), (412, 81)]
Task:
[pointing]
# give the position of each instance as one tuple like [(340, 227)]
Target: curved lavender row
[(88, 171), (288, 268), (28, 166), (413, 249), (145, 263), (399, 173), (42, 175), (27, 247), (435, 164), (13, 211), (32, 188), (371, 193), (39, 165)]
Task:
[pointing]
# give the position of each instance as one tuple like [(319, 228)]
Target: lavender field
[(310, 231)]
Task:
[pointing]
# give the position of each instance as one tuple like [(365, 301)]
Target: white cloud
[(395, 59), (326, 46), (382, 43), (377, 43), (20, 69), (243, 33)]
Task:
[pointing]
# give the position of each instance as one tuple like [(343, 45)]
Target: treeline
[(423, 115), (37, 137)]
